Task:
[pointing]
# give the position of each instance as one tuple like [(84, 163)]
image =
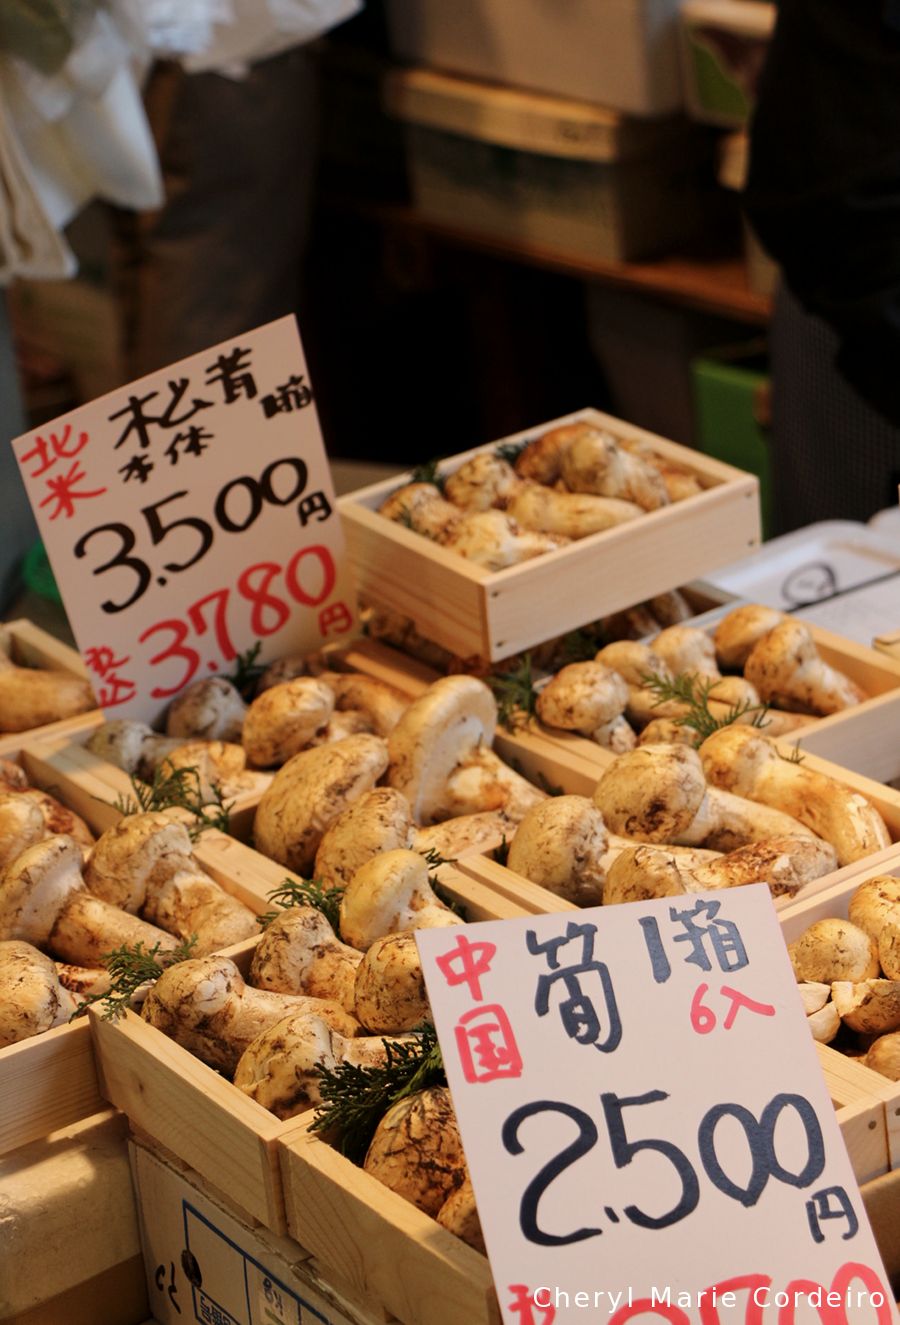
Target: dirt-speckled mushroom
[(441, 756), (884, 1056), (743, 761), (280, 1068), (573, 514), (380, 820), (739, 631), (43, 900), (787, 670), (593, 462), (389, 894), (310, 791), (589, 698), (207, 1007), (560, 845), (32, 1000), (687, 649), (390, 986), (494, 540), (657, 793), (283, 720), (484, 481), (831, 950), (421, 507), (31, 698), (465, 835), (641, 873), (785, 864), (380, 703), (209, 710), (871, 1007), (875, 903), (145, 864), (300, 954), (459, 1215), (132, 746), (416, 1150)]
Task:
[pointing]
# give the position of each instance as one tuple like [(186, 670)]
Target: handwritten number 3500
[(259, 492)]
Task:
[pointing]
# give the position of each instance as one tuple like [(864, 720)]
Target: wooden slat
[(386, 1248), (193, 1111), (34, 647), (47, 1082)]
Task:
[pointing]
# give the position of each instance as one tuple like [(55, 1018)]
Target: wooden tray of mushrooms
[(208, 1019), (78, 881), (44, 688), (555, 526)]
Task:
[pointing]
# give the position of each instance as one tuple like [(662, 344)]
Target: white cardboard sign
[(190, 514), (645, 1121)]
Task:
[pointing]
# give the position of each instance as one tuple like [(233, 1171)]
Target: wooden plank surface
[(47, 1082)]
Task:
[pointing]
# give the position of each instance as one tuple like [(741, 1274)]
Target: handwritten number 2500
[(259, 492)]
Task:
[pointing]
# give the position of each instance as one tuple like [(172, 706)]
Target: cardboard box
[(620, 53), (536, 170), (205, 1262)]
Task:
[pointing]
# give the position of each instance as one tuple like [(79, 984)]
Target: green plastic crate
[(731, 392)]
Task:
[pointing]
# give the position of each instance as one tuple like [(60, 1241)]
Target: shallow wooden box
[(472, 611), (192, 1110), (30, 646)]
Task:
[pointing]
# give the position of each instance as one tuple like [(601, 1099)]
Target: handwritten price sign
[(188, 516), (648, 1131)]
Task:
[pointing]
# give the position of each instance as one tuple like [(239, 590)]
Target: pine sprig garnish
[(178, 788), (355, 1099), (501, 853), (515, 694), (510, 451), (434, 859), (131, 966), (795, 757), (247, 670), (695, 692), (304, 892), (429, 473)]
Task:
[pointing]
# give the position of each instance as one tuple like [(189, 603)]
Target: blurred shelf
[(710, 284)]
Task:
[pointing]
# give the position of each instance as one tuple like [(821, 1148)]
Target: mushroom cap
[(652, 793), (218, 767), (390, 986), (739, 631), (459, 1215), (379, 821), (465, 834), (494, 540), (484, 481), (284, 719), (593, 462), (12, 777), (21, 825), (632, 660), (582, 697), (58, 818), (35, 887), (884, 1056), (786, 864), (310, 791), (121, 741), (667, 731), (788, 672), (435, 735), (559, 845), (211, 709), (280, 1068), (391, 893), (687, 649), (833, 950), (875, 903), (416, 1150), (541, 458), (734, 758), (641, 873), (32, 1000), (871, 1007), (889, 948), (299, 953), (126, 856)]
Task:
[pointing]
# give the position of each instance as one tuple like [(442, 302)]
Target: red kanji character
[(116, 691), (487, 1051), (335, 619), (59, 446), (474, 961), (739, 1000), (102, 660), (527, 1307), (62, 490)]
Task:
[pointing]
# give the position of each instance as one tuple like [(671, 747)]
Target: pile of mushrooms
[(848, 971), (570, 482), (667, 819), (31, 696)]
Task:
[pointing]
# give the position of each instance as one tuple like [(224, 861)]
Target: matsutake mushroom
[(32, 1000), (390, 893), (560, 845), (209, 710), (417, 1151), (589, 698), (300, 954), (786, 669), (31, 698)]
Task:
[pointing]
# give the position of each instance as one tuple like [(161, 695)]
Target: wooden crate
[(30, 646), (196, 1113), (48, 1081), (472, 611)]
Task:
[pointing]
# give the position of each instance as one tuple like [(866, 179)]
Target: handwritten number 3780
[(258, 493)]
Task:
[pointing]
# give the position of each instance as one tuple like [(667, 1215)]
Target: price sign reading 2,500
[(268, 612), (256, 494), (760, 1136)]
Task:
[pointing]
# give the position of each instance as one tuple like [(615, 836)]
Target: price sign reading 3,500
[(236, 508)]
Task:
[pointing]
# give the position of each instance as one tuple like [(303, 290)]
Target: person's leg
[(223, 253)]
